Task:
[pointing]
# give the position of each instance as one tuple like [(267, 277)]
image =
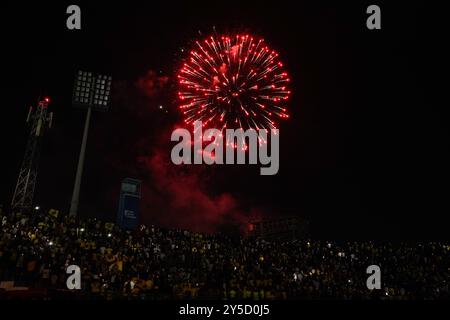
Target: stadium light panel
[(97, 98)]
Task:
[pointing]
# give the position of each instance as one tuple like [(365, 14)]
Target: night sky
[(364, 154)]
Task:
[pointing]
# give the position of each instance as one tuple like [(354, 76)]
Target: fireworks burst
[(233, 82)]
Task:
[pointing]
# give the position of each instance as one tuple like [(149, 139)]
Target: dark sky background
[(365, 153)]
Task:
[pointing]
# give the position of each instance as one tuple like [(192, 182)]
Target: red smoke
[(177, 196), (152, 83)]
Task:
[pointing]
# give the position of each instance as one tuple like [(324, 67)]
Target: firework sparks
[(233, 82)]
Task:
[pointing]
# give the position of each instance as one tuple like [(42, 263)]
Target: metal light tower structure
[(39, 118), (91, 91)]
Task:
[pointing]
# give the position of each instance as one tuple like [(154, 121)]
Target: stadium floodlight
[(91, 91)]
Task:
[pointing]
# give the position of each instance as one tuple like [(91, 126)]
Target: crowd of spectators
[(155, 263)]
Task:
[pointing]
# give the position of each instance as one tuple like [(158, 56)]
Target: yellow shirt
[(119, 265)]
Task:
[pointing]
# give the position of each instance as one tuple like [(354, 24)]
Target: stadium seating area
[(154, 263)]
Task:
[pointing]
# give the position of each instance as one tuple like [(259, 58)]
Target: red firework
[(233, 82)]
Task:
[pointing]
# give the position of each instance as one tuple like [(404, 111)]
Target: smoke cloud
[(152, 84), (173, 196), (177, 196)]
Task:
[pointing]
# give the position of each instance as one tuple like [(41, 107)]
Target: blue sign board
[(130, 195)]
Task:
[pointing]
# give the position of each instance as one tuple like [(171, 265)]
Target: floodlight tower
[(91, 91), (38, 118)]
